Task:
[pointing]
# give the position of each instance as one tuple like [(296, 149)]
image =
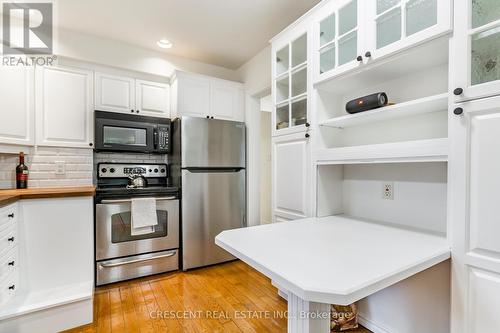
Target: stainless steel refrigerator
[(208, 163)]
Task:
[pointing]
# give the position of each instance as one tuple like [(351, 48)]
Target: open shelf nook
[(411, 108)]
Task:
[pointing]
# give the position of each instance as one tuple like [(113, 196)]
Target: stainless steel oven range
[(120, 255)]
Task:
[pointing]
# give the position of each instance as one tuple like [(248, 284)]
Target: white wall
[(118, 54), (265, 168), (256, 75)]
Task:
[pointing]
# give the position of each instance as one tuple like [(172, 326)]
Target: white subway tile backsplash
[(79, 166)]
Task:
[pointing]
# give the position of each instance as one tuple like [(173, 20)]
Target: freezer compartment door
[(211, 143), (212, 202)]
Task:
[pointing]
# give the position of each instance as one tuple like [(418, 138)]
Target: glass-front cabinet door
[(339, 39), (394, 25), (290, 86), (476, 49)]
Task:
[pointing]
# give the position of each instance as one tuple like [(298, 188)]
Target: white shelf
[(432, 150), (415, 107), (297, 255)]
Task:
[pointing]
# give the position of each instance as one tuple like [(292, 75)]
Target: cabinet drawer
[(8, 239), (8, 215), (9, 262), (9, 286)]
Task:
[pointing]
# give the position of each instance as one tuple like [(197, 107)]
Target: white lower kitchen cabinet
[(64, 107), (291, 170), (51, 287), (17, 111), (207, 97), (475, 161)]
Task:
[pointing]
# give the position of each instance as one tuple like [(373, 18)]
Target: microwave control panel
[(164, 138)]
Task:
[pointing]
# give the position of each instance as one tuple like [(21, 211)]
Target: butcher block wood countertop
[(10, 196)]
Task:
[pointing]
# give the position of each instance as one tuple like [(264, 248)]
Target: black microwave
[(121, 132)]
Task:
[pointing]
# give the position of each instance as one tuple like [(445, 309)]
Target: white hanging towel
[(143, 216)]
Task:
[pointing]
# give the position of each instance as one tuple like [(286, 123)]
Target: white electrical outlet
[(60, 168), (388, 191)]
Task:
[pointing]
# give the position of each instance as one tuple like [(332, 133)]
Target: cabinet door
[(476, 49), (484, 301), (290, 176), (291, 85), (64, 107), (114, 93), (339, 38), (17, 96), (193, 95), (226, 101), (474, 193), (394, 25), (152, 98)]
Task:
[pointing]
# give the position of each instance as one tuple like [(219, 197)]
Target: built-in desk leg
[(307, 317)]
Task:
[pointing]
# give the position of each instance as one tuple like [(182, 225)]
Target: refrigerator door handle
[(213, 170)]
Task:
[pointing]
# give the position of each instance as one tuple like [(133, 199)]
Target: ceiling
[(220, 32)]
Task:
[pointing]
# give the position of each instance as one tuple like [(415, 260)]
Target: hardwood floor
[(231, 297)]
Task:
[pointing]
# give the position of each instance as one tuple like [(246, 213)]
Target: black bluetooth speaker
[(366, 103)]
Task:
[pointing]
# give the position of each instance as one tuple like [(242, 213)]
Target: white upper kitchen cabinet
[(152, 98), (474, 164), (340, 37), (64, 107), (291, 172), (202, 96), (395, 25), (114, 93), (190, 95), (129, 95), (350, 34), (17, 96), (227, 100), (476, 50)]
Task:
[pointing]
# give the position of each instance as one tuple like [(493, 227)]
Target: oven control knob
[(156, 170), (104, 170), (162, 170), (112, 170)]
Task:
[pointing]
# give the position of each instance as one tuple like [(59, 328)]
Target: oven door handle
[(138, 260), (119, 201)]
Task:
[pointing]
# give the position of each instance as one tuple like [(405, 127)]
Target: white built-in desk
[(332, 260)]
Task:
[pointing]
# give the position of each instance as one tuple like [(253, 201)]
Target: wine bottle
[(22, 173)]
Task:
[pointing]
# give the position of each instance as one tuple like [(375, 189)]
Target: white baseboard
[(372, 326), (51, 320)]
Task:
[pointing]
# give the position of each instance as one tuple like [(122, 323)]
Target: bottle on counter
[(22, 173)]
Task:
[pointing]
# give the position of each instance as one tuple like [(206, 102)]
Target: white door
[(152, 98), (17, 111), (339, 38), (114, 93), (64, 107), (290, 176), (226, 101), (475, 214), (476, 49), (193, 95), (395, 25)]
